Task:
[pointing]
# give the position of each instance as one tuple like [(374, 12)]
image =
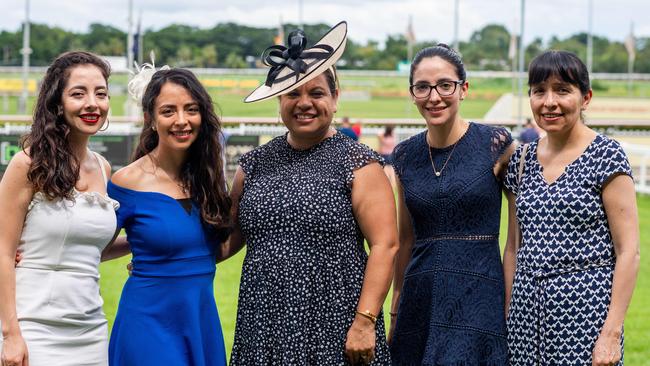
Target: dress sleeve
[(127, 204), (360, 155), (247, 162), (512, 180), (397, 156), (612, 161), (501, 139)]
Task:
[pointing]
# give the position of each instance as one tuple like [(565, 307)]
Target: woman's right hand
[(19, 257), (14, 351)]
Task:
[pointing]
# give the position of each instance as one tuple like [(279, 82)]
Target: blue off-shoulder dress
[(167, 313)]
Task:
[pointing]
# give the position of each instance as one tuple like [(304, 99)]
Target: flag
[(630, 43), (279, 38), (512, 49), (136, 41), (410, 34)]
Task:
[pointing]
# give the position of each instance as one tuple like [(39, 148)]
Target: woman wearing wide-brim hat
[(305, 202)]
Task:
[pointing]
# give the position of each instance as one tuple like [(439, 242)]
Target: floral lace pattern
[(452, 300)]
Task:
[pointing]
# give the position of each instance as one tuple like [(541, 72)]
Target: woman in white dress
[(56, 211)]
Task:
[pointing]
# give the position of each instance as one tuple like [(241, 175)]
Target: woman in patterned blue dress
[(448, 293), (309, 293), (174, 207), (578, 260)]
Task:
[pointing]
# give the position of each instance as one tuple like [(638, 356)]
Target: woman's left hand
[(360, 342), (607, 351)]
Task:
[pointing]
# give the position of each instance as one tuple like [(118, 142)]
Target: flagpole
[(26, 51), (630, 45), (520, 114), (409, 39), (140, 40), (129, 39), (456, 45), (590, 40)]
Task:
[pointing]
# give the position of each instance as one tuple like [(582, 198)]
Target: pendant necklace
[(433, 165)]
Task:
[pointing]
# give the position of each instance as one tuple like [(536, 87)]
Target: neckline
[(448, 147), (568, 167), (311, 148), (110, 182)]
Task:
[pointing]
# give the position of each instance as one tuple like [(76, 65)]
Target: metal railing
[(638, 155)]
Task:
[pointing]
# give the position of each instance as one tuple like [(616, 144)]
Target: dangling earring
[(107, 123), (153, 127)]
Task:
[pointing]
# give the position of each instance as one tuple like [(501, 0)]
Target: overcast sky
[(367, 19)]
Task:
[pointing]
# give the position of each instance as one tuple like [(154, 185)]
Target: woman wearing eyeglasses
[(448, 291)]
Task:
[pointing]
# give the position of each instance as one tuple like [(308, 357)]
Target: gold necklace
[(439, 173)]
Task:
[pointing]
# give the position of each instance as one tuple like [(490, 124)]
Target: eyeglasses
[(443, 88)]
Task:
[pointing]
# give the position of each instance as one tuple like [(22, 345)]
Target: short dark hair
[(562, 64), (444, 52)]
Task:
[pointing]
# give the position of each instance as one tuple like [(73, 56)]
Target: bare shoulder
[(132, 176), (19, 164), (14, 184)]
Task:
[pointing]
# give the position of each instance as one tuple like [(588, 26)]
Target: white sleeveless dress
[(58, 303)]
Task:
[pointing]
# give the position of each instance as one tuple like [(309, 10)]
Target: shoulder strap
[(520, 173), (101, 167), (522, 161)]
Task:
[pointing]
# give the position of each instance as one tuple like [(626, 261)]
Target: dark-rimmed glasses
[(443, 88)]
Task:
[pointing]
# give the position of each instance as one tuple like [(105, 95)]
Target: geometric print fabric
[(565, 264)]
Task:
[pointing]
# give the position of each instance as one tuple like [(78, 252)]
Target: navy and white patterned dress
[(565, 264), (451, 309), (305, 259)]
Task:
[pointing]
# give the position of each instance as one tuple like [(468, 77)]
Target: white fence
[(639, 156)]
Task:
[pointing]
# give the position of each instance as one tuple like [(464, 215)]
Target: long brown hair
[(203, 173), (54, 169)]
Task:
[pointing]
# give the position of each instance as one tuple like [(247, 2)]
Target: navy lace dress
[(451, 309)]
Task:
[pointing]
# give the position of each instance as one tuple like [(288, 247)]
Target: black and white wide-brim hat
[(294, 65)]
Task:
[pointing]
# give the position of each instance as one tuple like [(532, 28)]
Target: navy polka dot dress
[(305, 258), (565, 264)]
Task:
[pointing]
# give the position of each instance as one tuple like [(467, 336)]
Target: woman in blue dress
[(448, 292), (578, 260), (174, 208)]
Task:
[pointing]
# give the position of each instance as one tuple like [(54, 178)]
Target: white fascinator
[(141, 78)]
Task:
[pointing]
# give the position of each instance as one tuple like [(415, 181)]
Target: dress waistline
[(539, 302), (177, 267), (540, 273), (470, 237)]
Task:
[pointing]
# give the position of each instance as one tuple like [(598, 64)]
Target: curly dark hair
[(202, 174), (54, 169)]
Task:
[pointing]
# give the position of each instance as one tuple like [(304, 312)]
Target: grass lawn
[(637, 325), (388, 96)]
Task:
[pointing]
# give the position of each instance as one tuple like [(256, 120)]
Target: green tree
[(208, 56), (487, 48), (183, 56), (235, 61)]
